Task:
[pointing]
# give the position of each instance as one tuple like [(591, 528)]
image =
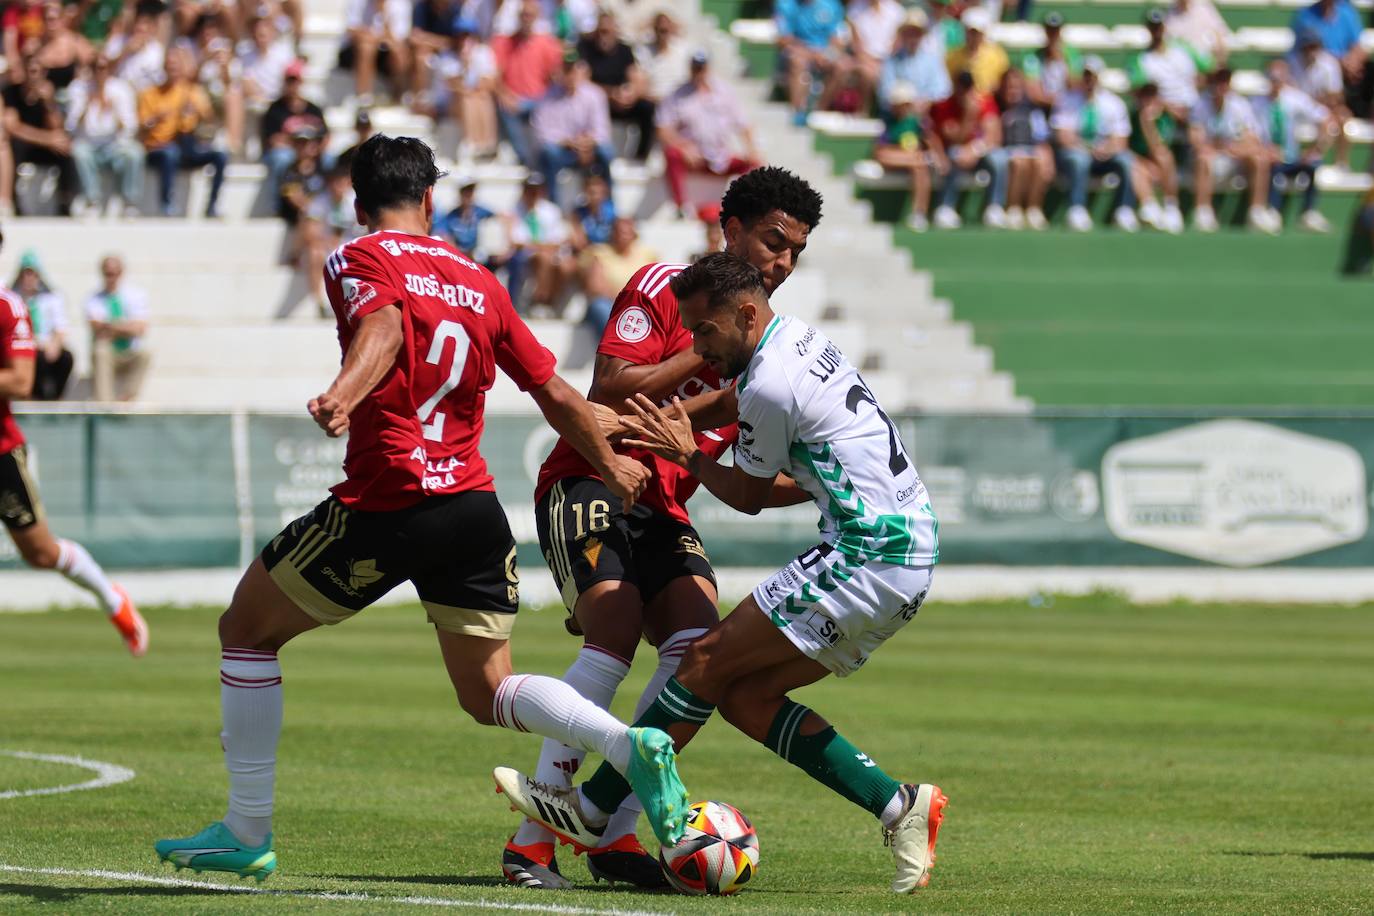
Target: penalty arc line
[(107, 774), (342, 896)]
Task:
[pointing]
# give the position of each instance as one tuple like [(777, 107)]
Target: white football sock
[(81, 569), (893, 808), (251, 702), (670, 653), (596, 674), (547, 706)]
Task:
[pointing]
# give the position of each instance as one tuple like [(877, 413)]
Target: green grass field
[(1099, 758)]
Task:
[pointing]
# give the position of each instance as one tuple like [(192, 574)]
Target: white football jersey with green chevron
[(804, 410)]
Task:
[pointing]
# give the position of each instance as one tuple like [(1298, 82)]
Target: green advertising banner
[(188, 490)]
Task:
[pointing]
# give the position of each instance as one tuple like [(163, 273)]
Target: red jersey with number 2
[(16, 340), (645, 329), (417, 432)]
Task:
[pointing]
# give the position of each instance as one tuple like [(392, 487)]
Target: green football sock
[(830, 760), (675, 704)]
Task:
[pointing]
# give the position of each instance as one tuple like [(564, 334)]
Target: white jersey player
[(808, 427)]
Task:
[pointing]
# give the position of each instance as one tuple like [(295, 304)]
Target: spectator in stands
[(539, 250), (362, 129), (277, 150), (220, 74), (1317, 72), (1168, 65), (612, 65), (637, 19), (139, 55), (572, 126), (665, 59), (713, 232), (463, 224), (1338, 26), (98, 18), (811, 45), (980, 55), (377, 32), (1154, 132), (593, 218), (325, 220), (946, 31), (304, 179), (48, 318), (907, 144), (464, 89), (431, 34), (608, 266), (22, 22), (1050, 70), (33, 123), (332, 210), (702, 128), (1197, 24), (528, 62), (264, 61), (102, 118), (118, 317), (176, 123), (1279, 114), (914, 62), (6, 166), (1030, 160), (565, 20), (873, 26), (1225, 137), (1091, 130), (970, 127), (62, 51)]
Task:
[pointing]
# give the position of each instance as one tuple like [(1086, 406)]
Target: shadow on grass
[(44, 893), (1315, 856), (471, 881)]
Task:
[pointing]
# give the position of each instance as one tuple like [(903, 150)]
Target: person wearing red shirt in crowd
[(970, 126), (623, 573), (423, 330), (20, 508), (527, 61)]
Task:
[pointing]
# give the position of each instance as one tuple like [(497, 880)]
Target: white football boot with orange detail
[(130, 624), (912, 838)]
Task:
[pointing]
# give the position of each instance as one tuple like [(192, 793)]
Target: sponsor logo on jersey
[(633, 325), (592, 551), (362, 573), (454, 295), (356, 293), (822, 628), (396, 248), (688, 544), (803, 345)]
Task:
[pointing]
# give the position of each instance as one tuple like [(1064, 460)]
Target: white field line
[(107, 774), (347, 897)]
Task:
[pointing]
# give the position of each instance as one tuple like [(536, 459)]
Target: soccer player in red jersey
[(623, 573), (423, 330), (20, 508)]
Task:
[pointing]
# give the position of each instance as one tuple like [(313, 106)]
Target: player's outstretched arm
[(668, 434), (370, 356), (572, 417), (16, 379)]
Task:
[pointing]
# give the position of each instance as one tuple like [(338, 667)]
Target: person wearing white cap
[(915, 62), (907, 144), (980, 55), (1092, 129)]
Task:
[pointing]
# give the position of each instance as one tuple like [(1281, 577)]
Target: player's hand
[(611, 423), (667, 434), (329, 415), (627, 478)]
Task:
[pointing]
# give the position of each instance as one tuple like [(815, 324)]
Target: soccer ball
[(718, 854)]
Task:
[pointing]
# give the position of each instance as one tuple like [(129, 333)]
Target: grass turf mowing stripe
[(107, 774), (349, 897)]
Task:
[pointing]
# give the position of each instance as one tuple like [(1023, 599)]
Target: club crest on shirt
[(633, 325), (356, 293)]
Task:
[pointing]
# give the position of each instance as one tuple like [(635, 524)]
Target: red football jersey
[(417, 432), (645, 329), (16, 339)]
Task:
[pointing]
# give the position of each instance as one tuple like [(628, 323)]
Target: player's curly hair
[(392, 172), (757, 193), (722, 276)]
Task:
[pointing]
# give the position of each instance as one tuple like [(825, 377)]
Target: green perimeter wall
[(150, 491)]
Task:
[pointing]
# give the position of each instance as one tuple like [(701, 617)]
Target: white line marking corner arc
[(106, 774)]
